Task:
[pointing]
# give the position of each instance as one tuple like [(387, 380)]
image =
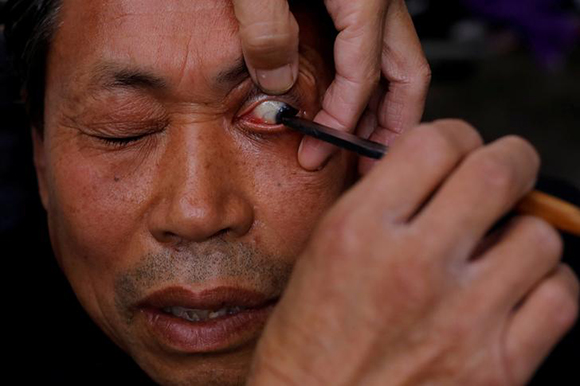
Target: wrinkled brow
[(112, 75)]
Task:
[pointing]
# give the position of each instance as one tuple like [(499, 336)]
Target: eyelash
[(121, 142), (146, 130)]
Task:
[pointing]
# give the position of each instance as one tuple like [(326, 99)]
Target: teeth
[(218, 313), (194, 315)]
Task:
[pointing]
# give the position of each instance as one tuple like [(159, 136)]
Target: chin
[(224, 369)]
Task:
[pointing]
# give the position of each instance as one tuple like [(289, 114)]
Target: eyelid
[(126, 128), (120, 141), (256, 96), (292, 101)]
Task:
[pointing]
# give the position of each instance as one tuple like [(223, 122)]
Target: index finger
[(269, 36), (357, 54)]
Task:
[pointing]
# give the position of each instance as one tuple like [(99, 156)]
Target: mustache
[(198, 263)]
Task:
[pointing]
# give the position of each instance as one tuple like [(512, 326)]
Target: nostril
[(168, 238), (223, 232), (177, 241)]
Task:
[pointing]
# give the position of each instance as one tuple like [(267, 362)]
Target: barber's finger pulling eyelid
[(270, 37)]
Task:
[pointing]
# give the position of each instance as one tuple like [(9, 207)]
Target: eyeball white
[(267, 111)]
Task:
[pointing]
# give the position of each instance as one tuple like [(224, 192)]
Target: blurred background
[(508, 67)]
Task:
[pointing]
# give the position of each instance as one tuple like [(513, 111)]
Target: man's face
[(175, 209)]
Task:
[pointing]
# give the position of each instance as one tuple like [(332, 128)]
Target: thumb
[(269, 34)]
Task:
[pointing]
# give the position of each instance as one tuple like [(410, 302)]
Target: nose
[(200, 191)]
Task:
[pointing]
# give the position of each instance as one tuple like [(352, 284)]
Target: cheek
[(98, 205), (291, 201), (93, 210)]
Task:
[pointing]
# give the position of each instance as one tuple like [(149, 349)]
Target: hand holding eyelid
[(559, 213)]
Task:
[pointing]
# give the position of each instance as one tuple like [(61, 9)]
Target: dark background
[(508, 69), (506, 66)]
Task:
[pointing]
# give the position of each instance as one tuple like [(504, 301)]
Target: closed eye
[(134, 133), (122, 141)]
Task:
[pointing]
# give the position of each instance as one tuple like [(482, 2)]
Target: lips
[(213, 320)]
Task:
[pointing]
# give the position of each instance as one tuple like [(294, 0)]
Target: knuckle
[(443, 142), (362, 17), (434, 144), (454, 122), (546, 237), (425, 71), (574, 281), (267, 45), (269, 39), (506, 167), (495, 171), (569, 314), (430, 135), (422, 74), (562, 295), (523, 148), (462, 130), (366, 80), (518, 142)]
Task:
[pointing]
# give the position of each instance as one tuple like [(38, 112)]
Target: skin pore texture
[(156, 175)]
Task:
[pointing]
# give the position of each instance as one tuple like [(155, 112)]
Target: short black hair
[(29, 27)]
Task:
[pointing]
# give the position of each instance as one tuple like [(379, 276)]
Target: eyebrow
[(137, 79), (108, 75), (235, 74)]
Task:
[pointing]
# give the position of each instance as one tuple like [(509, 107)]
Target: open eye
[(267, 112)]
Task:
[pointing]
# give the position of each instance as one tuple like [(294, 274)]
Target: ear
[(40, 166)]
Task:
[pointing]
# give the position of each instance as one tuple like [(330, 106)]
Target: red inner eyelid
[(257, 124)]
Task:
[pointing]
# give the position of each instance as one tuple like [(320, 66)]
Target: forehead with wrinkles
[(135, 33)]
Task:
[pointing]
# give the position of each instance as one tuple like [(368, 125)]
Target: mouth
[(219, 319), (194, 315)]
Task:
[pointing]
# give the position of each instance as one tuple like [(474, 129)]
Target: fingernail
[(277, 81)]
